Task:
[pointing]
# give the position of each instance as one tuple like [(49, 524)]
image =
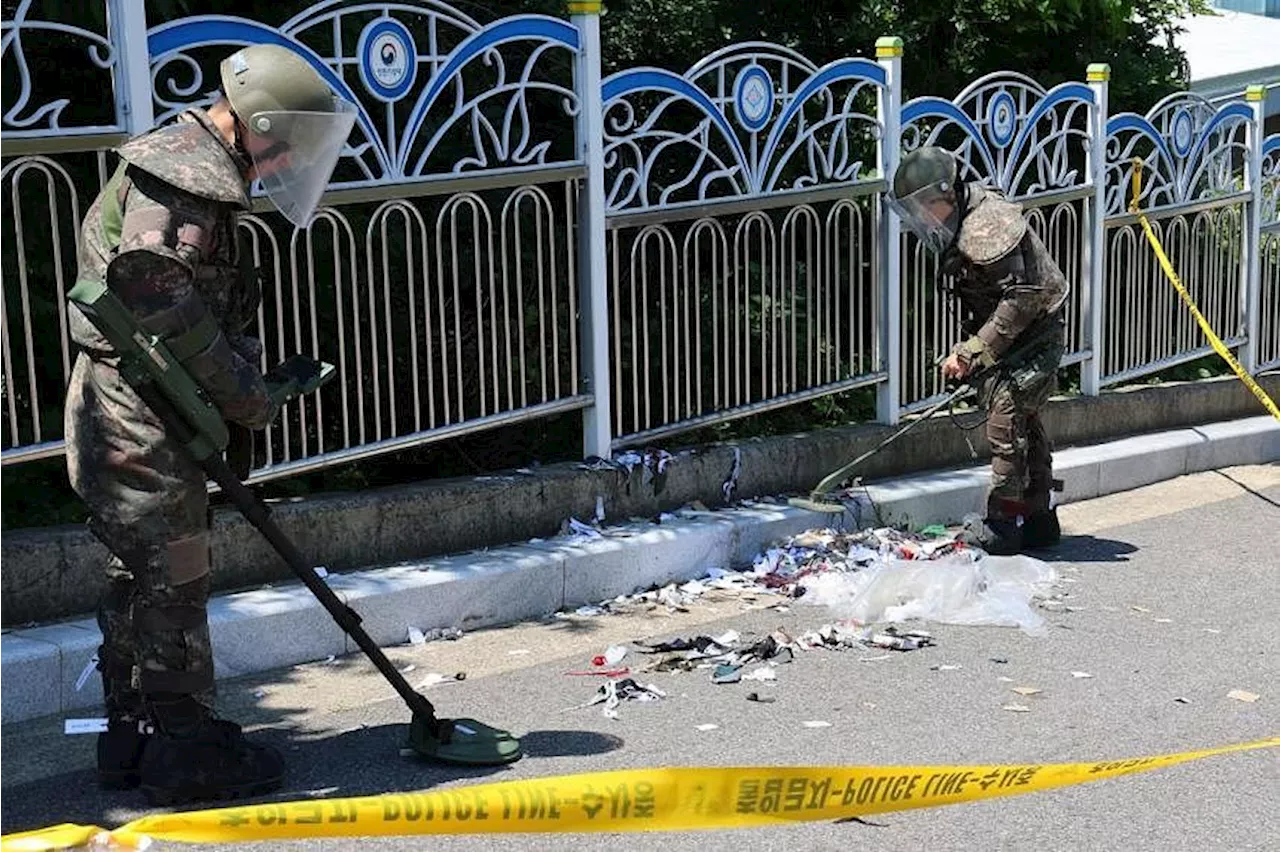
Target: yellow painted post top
[(1254, 94), (888, 47), (584, 7), (1098, 72)]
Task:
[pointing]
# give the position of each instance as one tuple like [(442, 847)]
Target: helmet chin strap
[(238, 153)]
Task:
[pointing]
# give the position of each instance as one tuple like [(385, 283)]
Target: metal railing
[(509, 236)]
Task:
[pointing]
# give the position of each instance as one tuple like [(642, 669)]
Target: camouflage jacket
[(1005, 278), (178, 262)]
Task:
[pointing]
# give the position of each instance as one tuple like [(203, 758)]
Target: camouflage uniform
[(176, 267), (1011, 292)]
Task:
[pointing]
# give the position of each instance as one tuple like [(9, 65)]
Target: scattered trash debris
[(707, 727), (1081, 675), (75, 727), (1211, 630), (576, 530), (817, 723), (1003, 679), (1163, 620), (408, 668), (760, 699), (1181, 700), (1000, 660), (614, 692), (622, 672), (435, 679), (934, 530), (321, 571), (519, 652), (1139, 609), (1242, 695), (331, 660), (764, 673), (1027, 690), (908, 641), (945, 668), (418, 637), (726, 674), (259, 693), (611, 657), (88, 670), (1016, 708), (599, 509)]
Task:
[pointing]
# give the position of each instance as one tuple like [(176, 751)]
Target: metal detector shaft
[(259, 514), (834, 478)]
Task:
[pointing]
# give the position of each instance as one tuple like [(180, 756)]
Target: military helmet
[(267, 78), (924, 195), (923, 167), (300, 125)]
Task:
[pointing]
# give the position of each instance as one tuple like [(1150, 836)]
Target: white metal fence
[(508, 236)]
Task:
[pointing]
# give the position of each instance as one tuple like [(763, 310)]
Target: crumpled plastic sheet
[(965, 588)]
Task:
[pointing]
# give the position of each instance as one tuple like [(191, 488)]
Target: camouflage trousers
[(1021, 450), (148, 504)]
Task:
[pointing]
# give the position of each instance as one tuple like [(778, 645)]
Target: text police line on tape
[(669, 799)]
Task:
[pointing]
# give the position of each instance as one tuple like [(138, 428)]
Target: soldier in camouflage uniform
[(1012, 294), (162, 236)]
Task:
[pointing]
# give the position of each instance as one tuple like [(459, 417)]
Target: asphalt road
[(1173, 603)]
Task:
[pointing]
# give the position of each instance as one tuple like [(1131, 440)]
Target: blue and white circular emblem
[(753, 97), (388, 59), (1002, 116), (1183, 132)]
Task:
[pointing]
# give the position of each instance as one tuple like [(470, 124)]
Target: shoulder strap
[(111, 217)]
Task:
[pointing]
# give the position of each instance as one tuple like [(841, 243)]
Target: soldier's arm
[(165, 235), (1021, 304)]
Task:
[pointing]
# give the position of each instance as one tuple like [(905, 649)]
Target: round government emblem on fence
[(1183, 131), (1001, 115), (388, 59), (753, 97)]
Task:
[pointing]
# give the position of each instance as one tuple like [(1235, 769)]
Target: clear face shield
[(294, 155), (930, 212)]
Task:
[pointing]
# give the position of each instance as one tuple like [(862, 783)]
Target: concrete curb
[(283, 625)]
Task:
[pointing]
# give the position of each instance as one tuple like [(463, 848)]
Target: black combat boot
[(1042, 528), (120, 746), (194, 756), (1001, 532), (119, 749)]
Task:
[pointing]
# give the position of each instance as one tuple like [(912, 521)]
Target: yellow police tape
[(1214, 340), (666, 799)]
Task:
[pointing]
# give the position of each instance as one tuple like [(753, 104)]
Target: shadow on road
[(1086, 548), (569, 743)]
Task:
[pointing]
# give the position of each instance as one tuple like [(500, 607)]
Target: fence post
[(127, 29), (1098, 76), (1251, 238), (888, 113), (593, 289)]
